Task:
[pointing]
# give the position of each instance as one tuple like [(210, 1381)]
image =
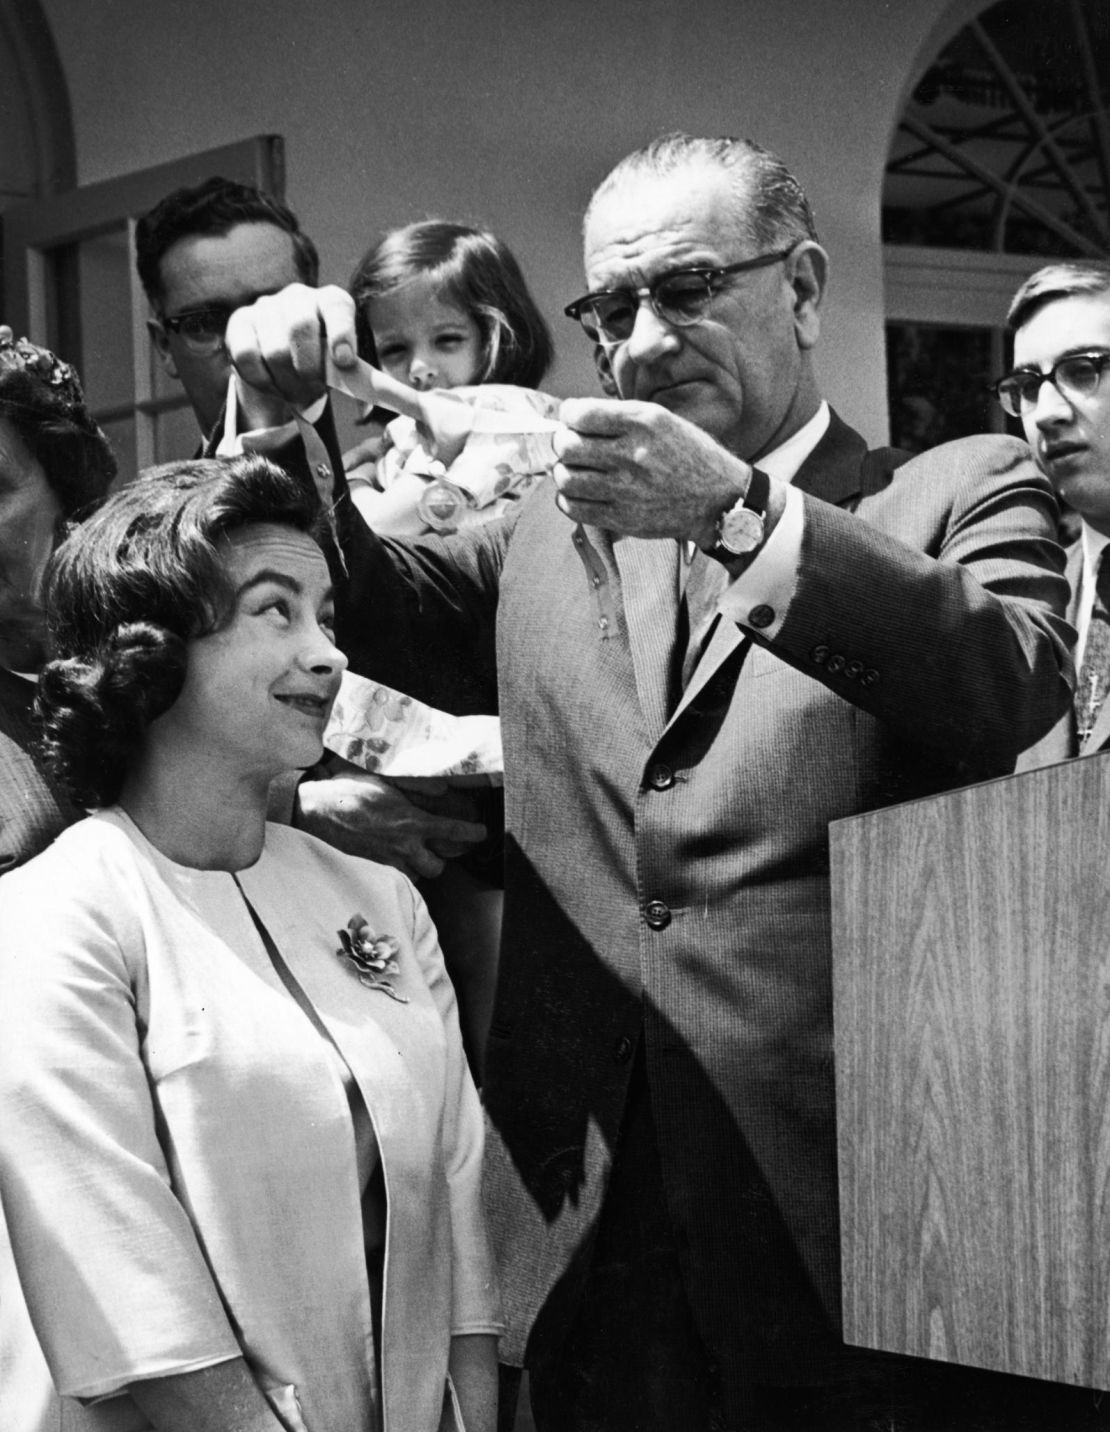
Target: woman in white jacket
[(240, 1150)]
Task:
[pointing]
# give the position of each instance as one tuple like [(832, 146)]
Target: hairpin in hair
[(20, 355)]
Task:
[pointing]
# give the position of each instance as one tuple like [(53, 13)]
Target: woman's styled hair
[(41, 399), (476, 272), (126, 592)]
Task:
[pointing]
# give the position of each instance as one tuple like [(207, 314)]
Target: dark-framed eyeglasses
[(200, 329), (680, 297), (1077, 375)]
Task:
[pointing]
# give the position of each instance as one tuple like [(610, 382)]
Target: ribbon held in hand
[(472, 446)]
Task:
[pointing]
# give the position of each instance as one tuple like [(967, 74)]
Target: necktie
[(1094, 674)]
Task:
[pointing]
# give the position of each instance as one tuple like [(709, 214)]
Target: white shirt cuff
[(760, 596)]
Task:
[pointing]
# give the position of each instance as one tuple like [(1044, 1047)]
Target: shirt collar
[(1093, 545), (784, 461)]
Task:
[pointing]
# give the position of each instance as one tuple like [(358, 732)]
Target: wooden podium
[(971, 937)]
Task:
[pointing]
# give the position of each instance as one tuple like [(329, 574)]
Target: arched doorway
[(1000, 161), (36, 128)]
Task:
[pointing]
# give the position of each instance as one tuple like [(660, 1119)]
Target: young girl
[(441, 305)]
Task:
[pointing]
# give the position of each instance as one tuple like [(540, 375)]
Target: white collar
[(784, 461), (1093, 544)]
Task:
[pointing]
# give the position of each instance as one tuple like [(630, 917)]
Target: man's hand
[(279, 342), (639, 469), (368, 816)]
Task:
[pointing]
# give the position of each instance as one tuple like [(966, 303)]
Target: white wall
[(507, 112)]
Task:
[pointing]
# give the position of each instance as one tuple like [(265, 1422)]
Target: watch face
[(740, 530)]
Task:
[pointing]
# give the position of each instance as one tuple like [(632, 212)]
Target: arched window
[(36, 138), (1001, 161), (68, 253)]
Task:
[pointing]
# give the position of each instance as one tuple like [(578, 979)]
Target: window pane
[(937, 380), (106, 361)]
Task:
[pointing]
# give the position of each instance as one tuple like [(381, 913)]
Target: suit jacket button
[(761, 617), (660, 777), (853, 669), (835, 662), (819, 654), (622, 1051), (657, 914), (869, 677)]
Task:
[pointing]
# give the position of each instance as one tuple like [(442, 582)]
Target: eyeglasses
[(680, 297), (202, 329), (1075, 376)]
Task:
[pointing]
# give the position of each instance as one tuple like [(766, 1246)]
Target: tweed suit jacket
[(33, 808), (667, 868), (1062, 742)]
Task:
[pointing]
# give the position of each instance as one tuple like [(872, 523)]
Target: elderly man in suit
[(1060, 319), (723, 625)]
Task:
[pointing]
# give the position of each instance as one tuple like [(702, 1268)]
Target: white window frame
[(38, 239)]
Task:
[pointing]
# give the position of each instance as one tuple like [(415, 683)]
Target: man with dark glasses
[(202, 252), (1059, 390), (722, 625)]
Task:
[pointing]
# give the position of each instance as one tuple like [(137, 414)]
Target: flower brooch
[(371, 956)]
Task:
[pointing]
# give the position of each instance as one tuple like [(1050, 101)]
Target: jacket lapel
[(648, 572), (833, 469)]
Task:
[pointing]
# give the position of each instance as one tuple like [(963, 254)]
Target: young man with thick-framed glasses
[(723, 624), (1059, 388), (201, 253)]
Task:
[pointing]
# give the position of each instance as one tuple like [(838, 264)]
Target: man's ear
[(808, 272), (161, 340)]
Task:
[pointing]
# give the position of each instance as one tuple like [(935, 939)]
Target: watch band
[(758, 493), (753, 509)]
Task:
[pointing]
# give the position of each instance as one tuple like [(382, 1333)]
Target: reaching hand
[(639, 469), (367, 815), (278, 343)]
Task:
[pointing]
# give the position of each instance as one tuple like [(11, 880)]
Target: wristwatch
[(740, 529)]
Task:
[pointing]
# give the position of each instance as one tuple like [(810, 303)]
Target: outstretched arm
[(368, 816), (279, 343)]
